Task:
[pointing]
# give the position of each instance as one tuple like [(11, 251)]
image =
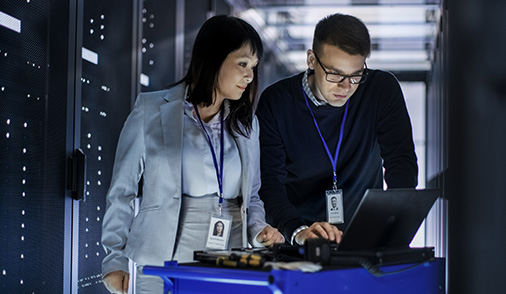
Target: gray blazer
[(150, 145)]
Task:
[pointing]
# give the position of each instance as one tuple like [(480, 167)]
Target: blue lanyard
[(219, 171), (333, 161)]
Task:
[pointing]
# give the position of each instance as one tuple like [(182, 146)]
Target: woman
[(196, 148)]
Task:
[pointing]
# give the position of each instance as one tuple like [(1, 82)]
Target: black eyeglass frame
[(363, 76)]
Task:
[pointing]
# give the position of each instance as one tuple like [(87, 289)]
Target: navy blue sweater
[(296, 169)]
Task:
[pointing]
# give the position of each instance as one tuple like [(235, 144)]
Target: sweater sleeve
[(280, 212), (395, 138)]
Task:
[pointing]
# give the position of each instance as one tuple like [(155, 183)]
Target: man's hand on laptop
[(319, 230)]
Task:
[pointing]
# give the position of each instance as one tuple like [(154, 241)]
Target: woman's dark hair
[(344, 31), (217, 38)]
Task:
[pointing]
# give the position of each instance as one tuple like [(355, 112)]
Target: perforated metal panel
[(157, 44), (106, 96), (33, 113)]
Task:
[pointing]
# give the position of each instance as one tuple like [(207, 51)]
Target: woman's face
[(235, 74), (219, 228)]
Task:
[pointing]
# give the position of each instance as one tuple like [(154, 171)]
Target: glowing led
[(22, 212), (4, 272), (99, 148), (87, 230), (89, 135), (22, 256), (89, 146), (24, 168), (98, 218), (91, 31), (86, 219), (22, 238), (24, 150), (7, 135), (91, 20), (102, 37), (98, 208), (23, 194), (99, 183), (102, 17), (21, 282), (25, 124), (87, 183), (86, 245), (22, 225), (3, 89), (99, 158), (23, 181), (99, 173)]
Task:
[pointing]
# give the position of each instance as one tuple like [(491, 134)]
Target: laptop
[(387, 219), (380, 231)]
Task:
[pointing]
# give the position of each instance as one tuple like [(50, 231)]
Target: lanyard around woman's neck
[(219, 170), (333, 160)]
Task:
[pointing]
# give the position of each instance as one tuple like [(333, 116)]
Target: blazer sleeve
[(256, 212), (127, 171)]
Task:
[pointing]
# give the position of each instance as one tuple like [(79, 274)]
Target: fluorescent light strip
[(10, 22)]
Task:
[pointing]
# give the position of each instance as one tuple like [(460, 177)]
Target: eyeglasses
[(339, 78)]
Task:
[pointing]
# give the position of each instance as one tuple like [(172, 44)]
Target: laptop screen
[(387, 219)]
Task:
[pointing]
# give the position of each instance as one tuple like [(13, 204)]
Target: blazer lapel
[(171, 116)]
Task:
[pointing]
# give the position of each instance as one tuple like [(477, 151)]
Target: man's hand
[(319, 230), (117, 282), (269, 235)]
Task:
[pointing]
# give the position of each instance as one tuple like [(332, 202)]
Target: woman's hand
[(117, 282), (269, 235)]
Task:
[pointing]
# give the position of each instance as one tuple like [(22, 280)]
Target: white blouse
[(198, 171)]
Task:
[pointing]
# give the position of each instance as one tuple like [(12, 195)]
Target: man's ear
[(310, 59)]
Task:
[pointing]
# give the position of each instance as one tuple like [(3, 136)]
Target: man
[(326, 133)]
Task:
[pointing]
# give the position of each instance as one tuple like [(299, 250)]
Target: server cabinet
[(34, 89), (105, 91)]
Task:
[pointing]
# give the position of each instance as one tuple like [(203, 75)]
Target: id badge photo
[(219, 232), (335, 211)]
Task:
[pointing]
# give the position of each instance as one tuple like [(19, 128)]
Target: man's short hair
[(344, 31)]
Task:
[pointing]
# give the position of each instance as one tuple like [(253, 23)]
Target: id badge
[(219, 232), (335, 212)]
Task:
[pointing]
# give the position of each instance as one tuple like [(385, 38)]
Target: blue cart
[(423, 278)]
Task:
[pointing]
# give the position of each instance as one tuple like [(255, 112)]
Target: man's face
[(333, 201), (336, 61)]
